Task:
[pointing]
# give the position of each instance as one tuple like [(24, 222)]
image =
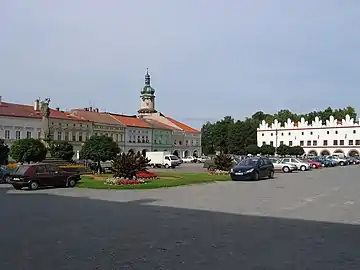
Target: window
[(39, 134), (7, 134), (175, 142), (311, 133), (18, 135), (271, 134), (308, 143), (263, 143), (180, 142), (357, 142), (59, 136), (281, 142), (272, 143), (143, 139), (262, 134), (351, 142), (335, 142), (302, 133), (80, 137), (336, 132), (28, 134), (301, 143), (66, 136), (354, 131), (341, 142), (327, 132), (325, 143), (314, 143), (282, 134), (186, 142), (289, 133), (290, 143), (147, 139), (74, 137)]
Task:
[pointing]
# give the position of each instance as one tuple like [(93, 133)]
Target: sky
[(207, 58)]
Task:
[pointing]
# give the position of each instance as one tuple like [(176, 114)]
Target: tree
[(223, 162), (62, 150), (283, 150), (296, 151), (28, 150), (4, 152), (207, 138), (252, 149), (99, 148), (127, 165), (267, 149)]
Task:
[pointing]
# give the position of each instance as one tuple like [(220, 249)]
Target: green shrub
[(223, 162)]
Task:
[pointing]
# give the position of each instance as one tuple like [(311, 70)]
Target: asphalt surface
[(307, 220)]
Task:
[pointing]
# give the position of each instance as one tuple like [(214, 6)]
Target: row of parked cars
[(254, 168)]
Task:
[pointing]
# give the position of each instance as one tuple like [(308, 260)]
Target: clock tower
[(147, 97)]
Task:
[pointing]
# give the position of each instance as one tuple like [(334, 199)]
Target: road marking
[(349, 202)]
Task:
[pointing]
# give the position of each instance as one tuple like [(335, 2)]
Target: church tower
[(147, 97)]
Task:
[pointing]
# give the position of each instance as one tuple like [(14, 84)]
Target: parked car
[(282, 166), (314, 164), (4, 175), (300, 165), (253, 168), (189, 159), (325, 162), (38, 175), (338, 160), (353, 160)]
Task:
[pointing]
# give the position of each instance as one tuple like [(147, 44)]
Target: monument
[(45, 121)]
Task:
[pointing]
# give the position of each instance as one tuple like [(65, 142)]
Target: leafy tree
[(223, 162), (62, 150), (4, 152), (252, 149), (296, 151), (28, 150), (283, 150), (99, 148), (127, 165), (267, 149), (207, 138)]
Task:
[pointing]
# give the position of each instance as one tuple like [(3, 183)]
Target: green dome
[(148, 90)]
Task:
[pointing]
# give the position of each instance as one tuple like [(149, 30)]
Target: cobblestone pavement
[(305, 220)]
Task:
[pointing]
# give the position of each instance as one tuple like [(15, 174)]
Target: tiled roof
[(184, 127), (27, 111), (96, 117), (130, 121), (158, 125)]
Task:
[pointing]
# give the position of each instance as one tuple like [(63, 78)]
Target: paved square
[(306, 220)]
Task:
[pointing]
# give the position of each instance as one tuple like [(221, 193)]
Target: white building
[(336, 136)]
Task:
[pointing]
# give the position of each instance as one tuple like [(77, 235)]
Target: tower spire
[(147, 78)]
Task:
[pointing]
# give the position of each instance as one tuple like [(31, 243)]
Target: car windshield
[(248, 162), (173, 158), (21, 170)]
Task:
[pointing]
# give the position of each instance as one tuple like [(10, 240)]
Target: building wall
[(117, 132), (161, 140), (333, 137), (14, 128), (138, 139)]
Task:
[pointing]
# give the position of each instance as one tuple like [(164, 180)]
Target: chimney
[(57, 108), (37, 105)]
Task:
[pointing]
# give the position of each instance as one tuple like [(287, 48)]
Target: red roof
[(96, 117), (130, 121), (27, 111), (159, 125), (184, 127)]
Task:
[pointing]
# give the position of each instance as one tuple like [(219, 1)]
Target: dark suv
[(34, 176), (253, 168)]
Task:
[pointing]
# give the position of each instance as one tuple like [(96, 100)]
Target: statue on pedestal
[(45, 126)]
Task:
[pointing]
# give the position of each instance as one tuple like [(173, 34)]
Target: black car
[(253, 168), (36, 175)]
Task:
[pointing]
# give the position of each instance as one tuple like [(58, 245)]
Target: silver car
[(283, 166)]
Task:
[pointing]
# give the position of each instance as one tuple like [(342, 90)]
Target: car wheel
[(314, 166), (256, 176), (271, 174), (34, 185), (342, 163), (285, 169), (17, 187), (7, 178), (71, 182), (303, 168), (167, 166)]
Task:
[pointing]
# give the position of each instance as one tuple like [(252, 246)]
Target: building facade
[(161, 136), (336, 136)]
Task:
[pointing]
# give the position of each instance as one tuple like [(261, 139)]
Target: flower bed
[(119, 181), (218, 172), (146, 175)]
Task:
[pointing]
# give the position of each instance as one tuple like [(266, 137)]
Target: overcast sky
[(207, 58)]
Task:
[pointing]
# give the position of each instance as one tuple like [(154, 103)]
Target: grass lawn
[(166, 179)]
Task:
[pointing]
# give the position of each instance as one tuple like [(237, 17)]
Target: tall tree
[(62, 150), (99, 148), (28, 150)]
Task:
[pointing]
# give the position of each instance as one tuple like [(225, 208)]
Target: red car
[(314, 164)]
